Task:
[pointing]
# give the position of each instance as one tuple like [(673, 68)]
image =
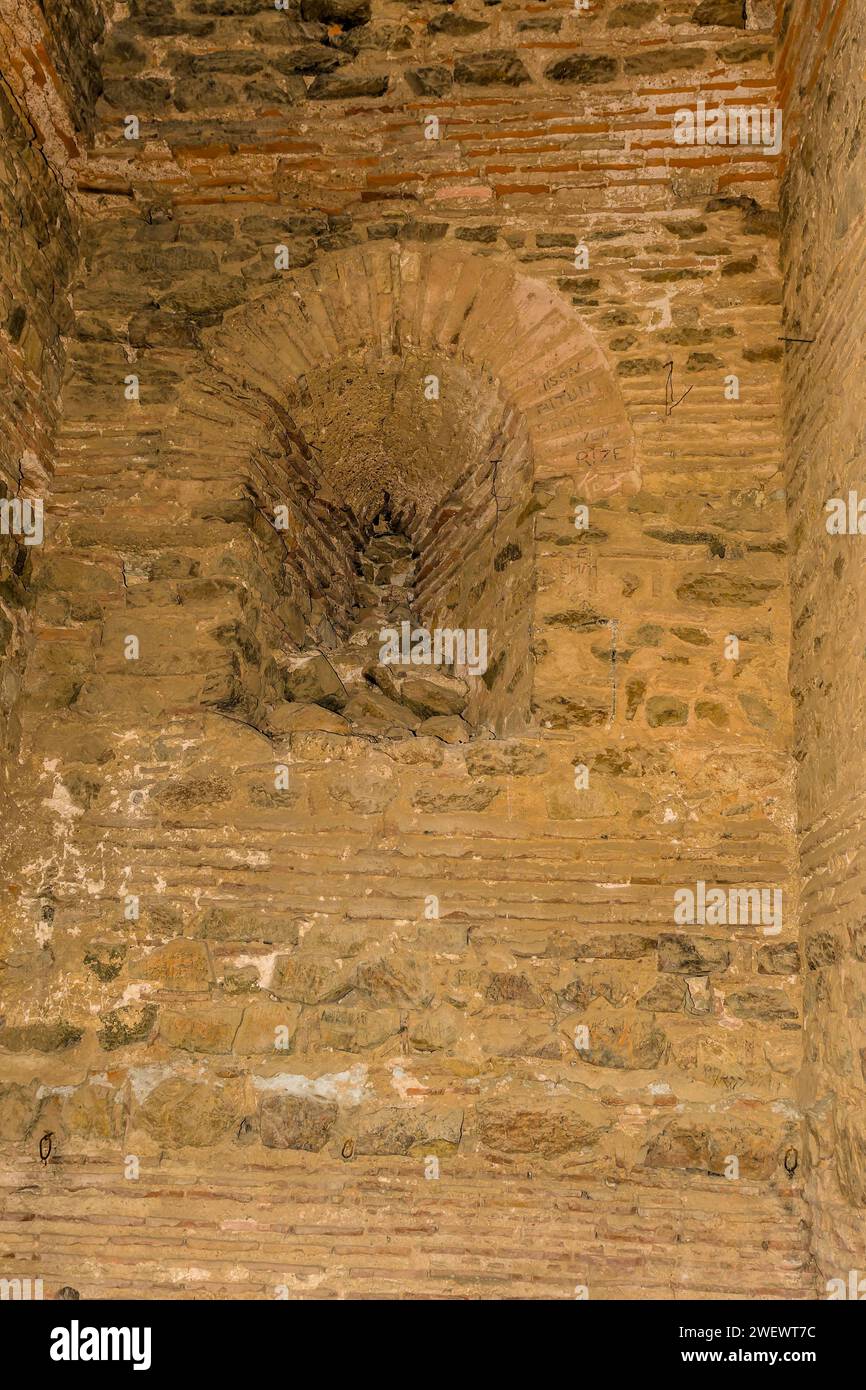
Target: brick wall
[(822, 72), (38, 254)]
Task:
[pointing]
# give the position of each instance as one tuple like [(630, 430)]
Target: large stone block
[(187, 1114), (409, 1130), (296, 1122), (267, 1029)]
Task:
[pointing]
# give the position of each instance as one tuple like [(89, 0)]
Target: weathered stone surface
[(633, 14), (291, 718), (759, 1150), (725, 590), (356, 1030), (550, 1132), (616, 947), (310, 979), (210, 1030), (779, 959), (769, 1005), (429, 81), (457, 25), (179, 965), (435, 1029), (193, 792), (456, 797), (450, 728), (692, 955), (434, 693), (342, 86), (266, 1029), (409, 1130), (225, 924), (621, 1045), (730, 12), (506, 988), (665, 997), (91, 1113), (713, 712), (662, 710), (309, 58), (512, 1032), (183, 1114), (316, 682), (131, 1023), (17, 1112), (583, 68), (371, 706), (368, 798), (390, 981), (105, 961), (657, 60), (490, 69), (347, 13), (40, 1037), (296, 1122), (504, 760)]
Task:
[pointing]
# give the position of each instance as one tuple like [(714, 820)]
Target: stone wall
[(822, 71), (557, 909), (259, 913), (38, 255)]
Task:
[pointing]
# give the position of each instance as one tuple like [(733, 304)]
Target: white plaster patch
[(663, 317), (403, 1082), (253, 858), (263, 965), (61, 803), (134, 993), (786, 1108), (344, 1087), (146, 1079), (727, 1021)]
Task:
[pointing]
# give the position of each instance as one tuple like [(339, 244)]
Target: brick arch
[(320, 389), (468, 309)]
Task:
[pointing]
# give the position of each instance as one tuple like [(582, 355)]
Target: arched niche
[(438, 387)]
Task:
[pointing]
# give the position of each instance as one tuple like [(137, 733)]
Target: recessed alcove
[(455, 389), (421, 439)]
